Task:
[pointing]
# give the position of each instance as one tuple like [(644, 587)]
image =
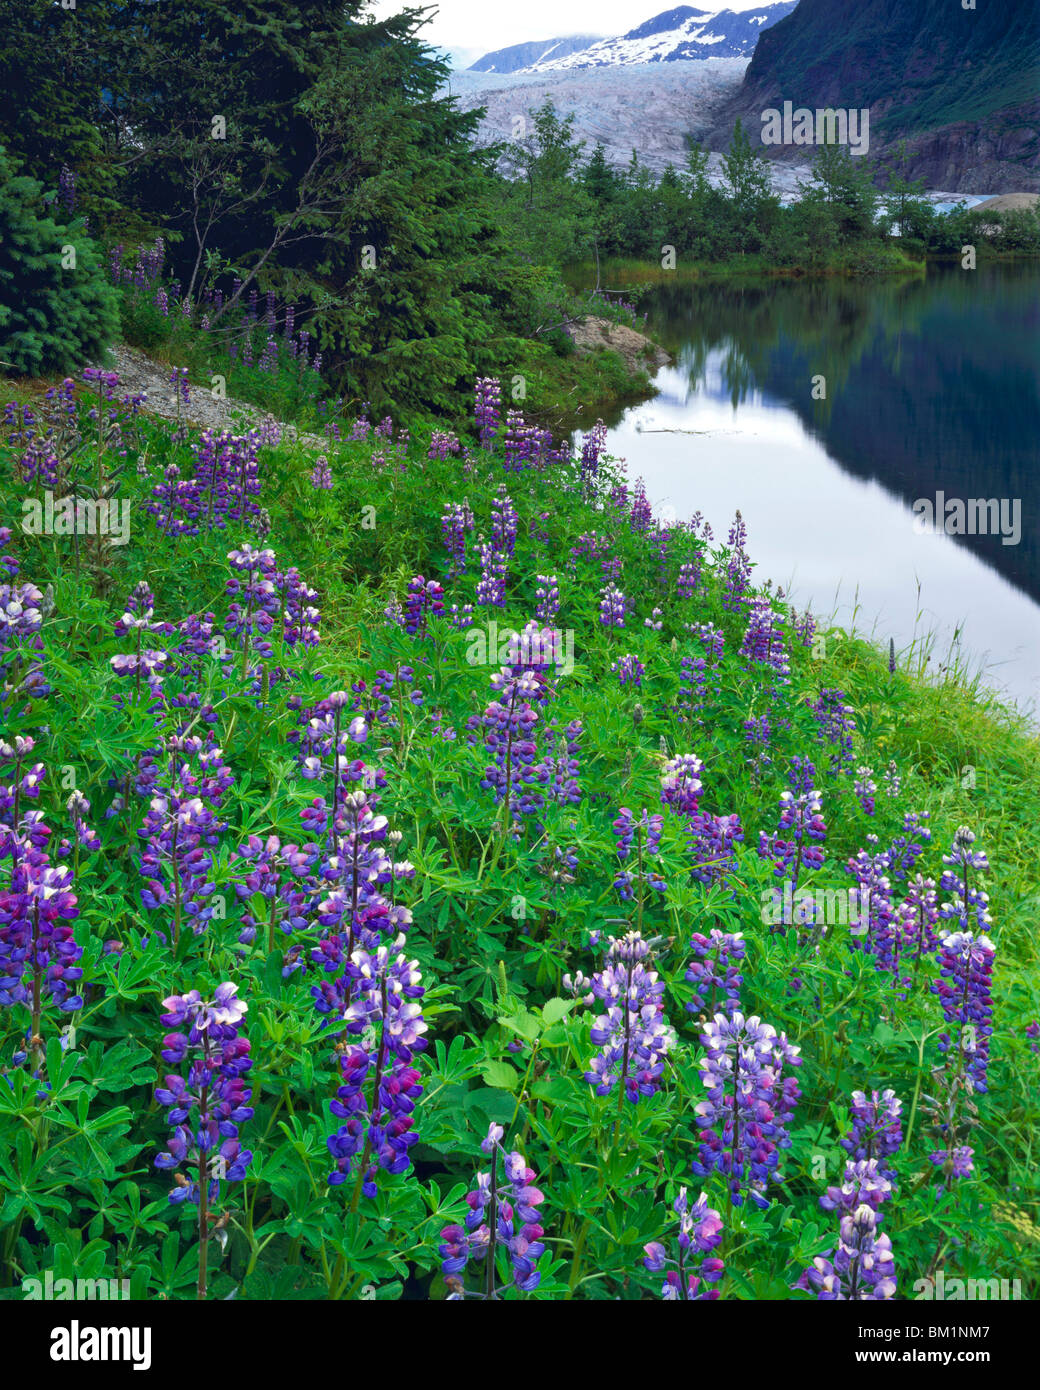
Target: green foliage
[(56, 306), (495, 925), (53, 62)]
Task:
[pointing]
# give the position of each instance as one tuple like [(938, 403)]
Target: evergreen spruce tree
[(57, 309)]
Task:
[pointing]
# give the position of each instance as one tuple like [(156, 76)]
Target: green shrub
[(56, 307)]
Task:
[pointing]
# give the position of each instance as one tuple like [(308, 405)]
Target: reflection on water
[(931, 387)]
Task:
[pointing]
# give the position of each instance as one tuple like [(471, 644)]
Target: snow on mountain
[(650, 108), (675, 35), (521, 56)]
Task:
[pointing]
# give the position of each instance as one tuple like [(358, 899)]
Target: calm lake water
[(931, 387)]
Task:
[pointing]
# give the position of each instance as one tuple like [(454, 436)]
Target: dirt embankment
[(1008, 202), (140, 374), (639, 352)]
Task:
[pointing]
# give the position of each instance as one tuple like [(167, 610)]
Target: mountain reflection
[(931, 382)]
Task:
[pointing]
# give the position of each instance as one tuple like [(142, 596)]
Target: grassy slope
[(934, 732), (924, 64)]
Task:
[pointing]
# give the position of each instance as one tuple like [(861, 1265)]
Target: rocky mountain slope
[(960, 86), (649, 108), (520, 56), (677, 35)]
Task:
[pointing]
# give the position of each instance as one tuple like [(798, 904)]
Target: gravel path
[(138, 374)]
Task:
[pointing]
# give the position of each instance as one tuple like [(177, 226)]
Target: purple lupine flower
[(864, 1181), (224, 482), (273, 873), (494, 571), (744, 1121), (645, 834), (631, 1033), (321, 474), (955, 1163), (269, 357), (964, 990), (764, 638), (385, 1016), (39, 958), (424, 600), (591, 452), (681, 784), (877, 1131), (642, 515), (711, 638), (917, 917), (759, 733), (972, 904), (508, 725), (21, 618), (738, 567), (486, 409), (865, 789), (548, 596), (700, 1231), (560, 764), (21, 780), (804, 627), (67, 188), (461, 617), (801, 777), (503, 1217), (907, 848), (619, 500), (503, 522), (181, 389), (175, 862), (629, 670), (519, 442), (207, 1108), (802, 817), (711, 846), (456, 520), (715, 972), (689, 578), (443, 443), (612, 607), (693, 689), (862, 1267), (836, 727), (78, 808), (876, 927)]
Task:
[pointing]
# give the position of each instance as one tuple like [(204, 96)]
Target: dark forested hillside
[(961, 86)]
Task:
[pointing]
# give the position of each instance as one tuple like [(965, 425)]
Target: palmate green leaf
[(500, 1075), (525, 1024), (553, 1010), (22, 1177), (117, 1068), (177, 1271)]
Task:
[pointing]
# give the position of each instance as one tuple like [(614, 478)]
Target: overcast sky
[(480, 26)]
